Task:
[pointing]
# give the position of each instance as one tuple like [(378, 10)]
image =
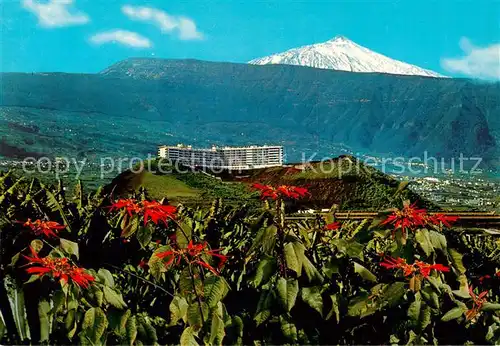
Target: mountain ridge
[(342, 54), (306, 109)]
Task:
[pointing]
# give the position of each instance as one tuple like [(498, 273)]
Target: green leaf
[(361, 306), (312, 297), (58, 301), (332, 267), (423, 239), (188, 337), (113, 298), (70, 323), (37, 245), (131, 330), (217, 332), (335, 308), (118, 321), (155, 264), (461, 293), (293, 256), (3, 329), (178, 309), (144, 236), (351, 248), (288, 329), (131, 227), (186, 285), (146, 331), (183, 236), (430, 297), (456, 260), (14, 259), (264, 307), (265, 269), (106, 277), (490, 307), (453, 314), (364, 273), (215, 289), (94, 295), (438, 240), (43, 314), (69, 247), (311, 272), (419, 313), (94, 324), (54, 205), (393, 293), (19, 313), (287, 292), (195, 315)]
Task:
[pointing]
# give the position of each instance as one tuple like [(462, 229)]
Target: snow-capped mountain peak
[(340, 53)]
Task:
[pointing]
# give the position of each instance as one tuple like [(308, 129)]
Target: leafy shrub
[(156, 274)]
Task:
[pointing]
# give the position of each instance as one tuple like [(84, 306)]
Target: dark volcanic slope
[(303, 108)]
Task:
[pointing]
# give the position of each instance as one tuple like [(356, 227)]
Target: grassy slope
[(159, 186), (332, 182)]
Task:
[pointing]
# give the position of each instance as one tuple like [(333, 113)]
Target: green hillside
[(362, 188)]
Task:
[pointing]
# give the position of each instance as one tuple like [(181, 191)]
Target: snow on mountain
[(343, 54)]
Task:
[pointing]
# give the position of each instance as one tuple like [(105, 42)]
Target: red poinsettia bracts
[(193, 254), (407, 218), (418, 267), (477, 303), (294, 192), (151, 210), (484, 278), (58, 268), (80, 277), (268, 191), (48, 229), (130, 205), (398, 263), (333, 226), (441, 219), (425, 268), (157, 212)]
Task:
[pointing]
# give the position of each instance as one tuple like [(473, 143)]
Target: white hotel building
[(234, 158)]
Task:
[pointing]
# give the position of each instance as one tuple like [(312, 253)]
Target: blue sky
[(456, 38)]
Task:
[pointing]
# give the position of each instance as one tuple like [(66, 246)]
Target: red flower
[(484, 277), (418, 267), (408, 218), (268, 191), (143, 264), (425, 268), (157, 212), (151, 210), (477, 303), (47, 228), (441, 219), (333, 226), (58, 268), (130, 206), (193, 254), (80, 277), (498, 274), (398, 263), (294, 192)]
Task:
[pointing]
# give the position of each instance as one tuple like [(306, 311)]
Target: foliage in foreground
[(92, 270)]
